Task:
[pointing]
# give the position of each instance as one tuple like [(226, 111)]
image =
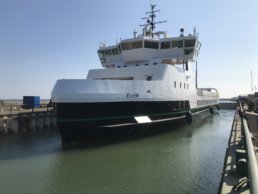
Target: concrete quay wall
[(236, 176), (228, 105), (26, 121)]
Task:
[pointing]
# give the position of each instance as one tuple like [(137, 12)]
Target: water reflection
[(187, 159), (30, 144)]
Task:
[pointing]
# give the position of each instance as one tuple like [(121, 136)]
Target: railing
[(251, 156)]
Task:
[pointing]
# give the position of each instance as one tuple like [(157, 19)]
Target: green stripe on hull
[(118, 117), (131, 116)]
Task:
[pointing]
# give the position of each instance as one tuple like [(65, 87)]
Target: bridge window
[(108, 52), (115, 51), (101, 54), (189, 51), (196, 53), (198, 45), (177, 44), (103, 60), (131, 45), (190, 43), (151, 44), (165, 45)]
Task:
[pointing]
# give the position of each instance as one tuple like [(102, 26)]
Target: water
[(187, 159)]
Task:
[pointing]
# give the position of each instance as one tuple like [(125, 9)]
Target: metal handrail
[(251, 157)]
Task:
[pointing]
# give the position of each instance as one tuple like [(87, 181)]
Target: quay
[(15, 119), (240, 173), (227, 104)]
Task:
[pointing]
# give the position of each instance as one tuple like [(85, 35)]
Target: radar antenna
[(151, 19)]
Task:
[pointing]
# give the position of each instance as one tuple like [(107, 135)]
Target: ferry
[(146, 80)]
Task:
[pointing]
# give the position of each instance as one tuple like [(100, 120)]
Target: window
[(151, 44), (131, 45), (199, 46), (115, 51), (165, 45), (184, 85), (103, 60), (108, 52), (190, 43), (174, 84), (101, 53), (187, 86), (189, 51), (177, 43), (180, 85), (149, 78)]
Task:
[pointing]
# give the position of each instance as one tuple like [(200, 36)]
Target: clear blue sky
[(45, 40)]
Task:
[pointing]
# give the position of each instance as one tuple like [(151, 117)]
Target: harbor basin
[(186, 159)]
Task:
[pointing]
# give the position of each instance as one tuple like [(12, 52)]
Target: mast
[(151, 19), (196, 75)]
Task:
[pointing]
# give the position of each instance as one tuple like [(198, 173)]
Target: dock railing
[(251, 155)]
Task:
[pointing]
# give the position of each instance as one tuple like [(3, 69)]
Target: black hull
[(77, 121)]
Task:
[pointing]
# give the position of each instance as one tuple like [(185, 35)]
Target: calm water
[(188, 159)]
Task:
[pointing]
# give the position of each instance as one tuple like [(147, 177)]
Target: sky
[(42, 41)]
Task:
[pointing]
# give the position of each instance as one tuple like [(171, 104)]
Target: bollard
[(240, 153), (241, 167)]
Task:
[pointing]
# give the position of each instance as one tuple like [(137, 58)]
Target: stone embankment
[(26, 120)]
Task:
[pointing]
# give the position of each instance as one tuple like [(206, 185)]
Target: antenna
[(151, 19), (196, 75), (251, 81), (194, 31)]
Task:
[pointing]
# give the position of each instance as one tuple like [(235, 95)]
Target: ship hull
[(78, 121)]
